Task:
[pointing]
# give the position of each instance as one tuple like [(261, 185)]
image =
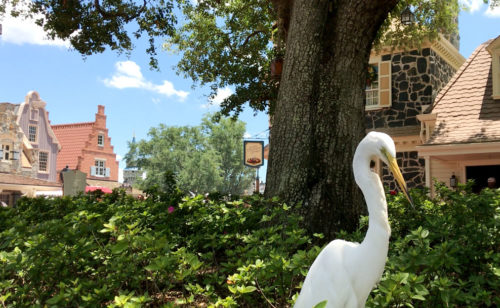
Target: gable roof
[(32, 99), (72, 138), (466, 112)]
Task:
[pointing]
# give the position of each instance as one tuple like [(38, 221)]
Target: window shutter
[(108, 172), (1, 154), (384, 83), (92, 171)]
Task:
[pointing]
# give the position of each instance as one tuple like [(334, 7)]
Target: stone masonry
[(412, 168), (417, 76)]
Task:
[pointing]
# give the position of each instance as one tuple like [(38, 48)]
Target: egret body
[(344, 273)]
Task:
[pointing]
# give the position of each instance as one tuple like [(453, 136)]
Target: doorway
[(480, 175)]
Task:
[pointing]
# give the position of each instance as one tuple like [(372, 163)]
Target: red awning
[(94, 188)]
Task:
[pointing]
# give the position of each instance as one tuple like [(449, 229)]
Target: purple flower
[(170, 209)]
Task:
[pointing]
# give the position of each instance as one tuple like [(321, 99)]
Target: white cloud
[(119, 157), (479, 5), (128, 75), (24, 31), (495, 12), (473, 5), (219, 97), (247, 135)]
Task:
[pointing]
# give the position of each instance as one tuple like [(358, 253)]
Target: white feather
[(344, 273)]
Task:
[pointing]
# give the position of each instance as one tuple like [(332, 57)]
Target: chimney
[(100, 117)]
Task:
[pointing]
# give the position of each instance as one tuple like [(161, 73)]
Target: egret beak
[(396, 172)]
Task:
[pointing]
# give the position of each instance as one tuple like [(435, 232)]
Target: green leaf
[(119, 247), (321, 304), (419, 297), (247, 289)]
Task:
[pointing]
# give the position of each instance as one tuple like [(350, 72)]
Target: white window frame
[(100, 140), (371, 91), (99, 168), (30, 133), (374, 90), (46, 162), (6, 153)]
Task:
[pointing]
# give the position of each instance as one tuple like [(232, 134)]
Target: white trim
[(458, 149)]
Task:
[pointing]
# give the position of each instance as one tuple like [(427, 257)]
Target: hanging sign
[(253, 153)]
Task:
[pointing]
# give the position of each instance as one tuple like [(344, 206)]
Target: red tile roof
[(466, 112), (72, 138)]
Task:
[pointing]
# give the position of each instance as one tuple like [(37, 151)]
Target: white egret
[(344, 273)]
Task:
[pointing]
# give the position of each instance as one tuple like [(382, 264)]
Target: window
[(34, 114), (5, 199), (99, 169), (372, 85), (32, 133), (5, 153), (100, 140), (494, 49), (378, 85), (43, 161)]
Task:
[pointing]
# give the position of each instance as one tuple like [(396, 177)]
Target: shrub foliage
[(169, 251)]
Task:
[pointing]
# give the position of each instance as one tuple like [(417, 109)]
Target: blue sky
[(135, 97)]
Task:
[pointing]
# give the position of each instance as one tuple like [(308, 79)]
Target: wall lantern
[(453, 181), (15, 155), (407, 17)]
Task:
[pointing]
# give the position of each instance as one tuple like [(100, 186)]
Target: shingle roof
[(8, 178), (72, 138), (466, 112)]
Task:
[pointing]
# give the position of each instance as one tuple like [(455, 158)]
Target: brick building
[(87, 147)]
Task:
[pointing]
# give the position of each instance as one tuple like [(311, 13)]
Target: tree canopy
[(203, 158)]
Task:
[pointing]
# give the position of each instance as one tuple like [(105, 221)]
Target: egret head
[(385, 149)]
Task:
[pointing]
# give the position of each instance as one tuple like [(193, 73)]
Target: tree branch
[(250, 36), (111, 15)]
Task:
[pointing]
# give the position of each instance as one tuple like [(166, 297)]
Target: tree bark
[(319, 115)]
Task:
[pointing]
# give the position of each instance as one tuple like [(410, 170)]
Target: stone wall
[(412, 167), (440, 72), (417, 76)]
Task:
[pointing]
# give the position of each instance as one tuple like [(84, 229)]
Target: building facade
[(461, 131), (27, 162), (400, 86), (33, 119), (87, 147)]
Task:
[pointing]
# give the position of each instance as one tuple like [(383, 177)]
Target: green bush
[(96, 250), (169, 251), (443, 253)]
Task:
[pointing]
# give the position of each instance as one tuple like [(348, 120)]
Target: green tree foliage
[(203, 158), (96, 250)]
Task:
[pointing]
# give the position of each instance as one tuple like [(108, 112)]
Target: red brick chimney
[(100, 117)]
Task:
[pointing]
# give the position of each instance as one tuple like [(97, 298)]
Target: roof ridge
[(73, 124), (458, 74)]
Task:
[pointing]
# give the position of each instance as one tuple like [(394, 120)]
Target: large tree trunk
[(319, 116)]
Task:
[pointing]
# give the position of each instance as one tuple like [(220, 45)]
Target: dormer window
[(100, 140), (494, 50), (496, 75)]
